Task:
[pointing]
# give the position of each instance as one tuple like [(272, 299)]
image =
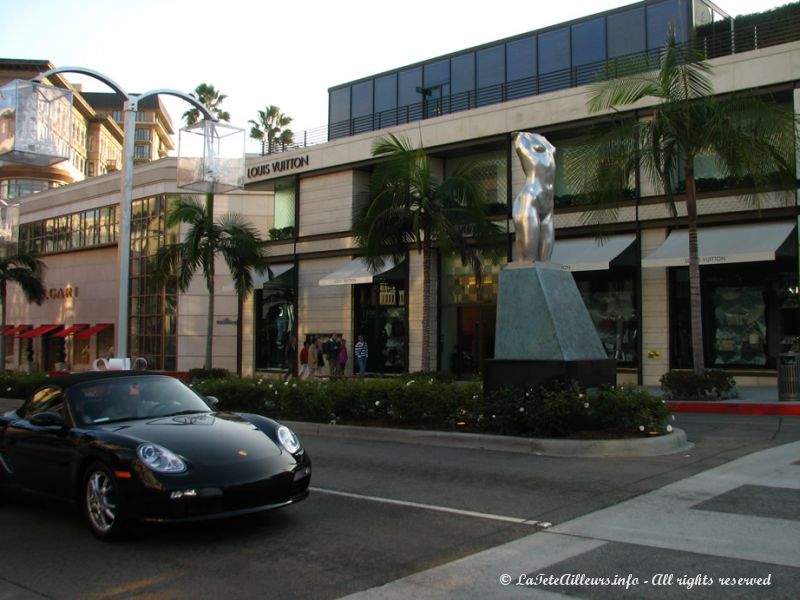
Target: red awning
[(68, 331), (41, 330), (15, 330), (85, 335)]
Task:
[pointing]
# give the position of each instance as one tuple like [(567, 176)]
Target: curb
[(670, 443), (785, 409)]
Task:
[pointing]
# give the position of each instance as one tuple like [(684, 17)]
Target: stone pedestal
[(544, 331)]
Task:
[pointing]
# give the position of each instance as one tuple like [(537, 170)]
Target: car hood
[(204, 439)]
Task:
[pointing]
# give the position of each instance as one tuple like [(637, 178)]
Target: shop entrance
[(475, 342)]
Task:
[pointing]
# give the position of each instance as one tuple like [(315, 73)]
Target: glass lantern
[(35, 123), (211, 157)]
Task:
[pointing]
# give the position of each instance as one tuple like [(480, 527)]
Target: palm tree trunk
[(427, 257), (210, 287), (695, 301), (3, 328)]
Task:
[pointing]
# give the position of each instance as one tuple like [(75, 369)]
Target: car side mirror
[(47, 419), (213, 401)]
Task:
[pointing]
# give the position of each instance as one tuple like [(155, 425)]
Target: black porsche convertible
[(137, 445)]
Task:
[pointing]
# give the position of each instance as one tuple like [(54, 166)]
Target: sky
[(261, 53)]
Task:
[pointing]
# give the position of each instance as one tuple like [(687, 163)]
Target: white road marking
[(444, 509)]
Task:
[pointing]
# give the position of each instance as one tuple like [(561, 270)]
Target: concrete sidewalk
[(730, 531)]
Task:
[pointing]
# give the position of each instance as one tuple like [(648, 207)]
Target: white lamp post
[(124, 243)]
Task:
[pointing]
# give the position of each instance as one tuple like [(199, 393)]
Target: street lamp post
[(124, 243)]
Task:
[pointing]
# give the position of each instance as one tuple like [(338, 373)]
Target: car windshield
[(140, 397)]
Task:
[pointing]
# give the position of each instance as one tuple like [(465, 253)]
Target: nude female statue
[(533, 207)]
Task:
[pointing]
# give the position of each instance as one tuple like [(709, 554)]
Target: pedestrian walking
[(332, 354), (319, 369), (342, 357), (291, 358), (361, 352), (304, 370)]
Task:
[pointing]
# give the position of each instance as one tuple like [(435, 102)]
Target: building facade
[(463, 106)]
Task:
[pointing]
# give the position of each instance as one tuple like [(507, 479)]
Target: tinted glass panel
[(660, 17), (386, 100), (554, 60), (588, 49), (462, 81), (521, 67), (339, 112), (626, 33), (408, 82), (588, 42), (362, 106), (491, 69)]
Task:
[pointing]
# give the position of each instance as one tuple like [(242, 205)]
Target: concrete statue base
[(544, 331)]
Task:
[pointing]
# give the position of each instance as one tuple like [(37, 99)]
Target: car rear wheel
[(101, 502)]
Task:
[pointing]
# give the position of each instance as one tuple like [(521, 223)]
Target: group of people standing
[(319, 353)]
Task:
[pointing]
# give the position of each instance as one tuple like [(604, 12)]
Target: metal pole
[(124, 241)]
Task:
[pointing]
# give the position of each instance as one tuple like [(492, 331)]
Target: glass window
[(339, 113), (462, 81), (554, 60), (380, 316), (626, 33), (491, 69), (491, 177), (276, 323), (284, 223), (362, 106), (49, 399), (407, 84), (588, 49), (386, 101), (521, 67), (660, 18), (743, 311), (610, 298)]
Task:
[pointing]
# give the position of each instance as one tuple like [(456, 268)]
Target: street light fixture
[(130, 108)]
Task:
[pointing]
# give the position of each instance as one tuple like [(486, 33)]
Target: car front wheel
[(101, 502)]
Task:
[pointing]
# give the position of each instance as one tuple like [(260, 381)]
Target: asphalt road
[(379, 512)]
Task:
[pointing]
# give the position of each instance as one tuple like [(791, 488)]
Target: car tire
[(101, 503)]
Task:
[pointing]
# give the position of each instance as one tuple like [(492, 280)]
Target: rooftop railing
[(744, 39)]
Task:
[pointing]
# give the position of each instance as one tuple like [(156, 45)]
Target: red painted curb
[(736, 408)]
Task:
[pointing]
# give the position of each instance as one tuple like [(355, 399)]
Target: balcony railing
[(745, 38)]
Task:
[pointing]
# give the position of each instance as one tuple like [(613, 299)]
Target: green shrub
[(564, 409), (20, 385), (203, 374), (424, 402), (687, 385)]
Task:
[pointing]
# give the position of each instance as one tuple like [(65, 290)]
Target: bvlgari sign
[(283, 165)]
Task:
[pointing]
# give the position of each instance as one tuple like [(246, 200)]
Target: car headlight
[(288, 440), (160, 459)]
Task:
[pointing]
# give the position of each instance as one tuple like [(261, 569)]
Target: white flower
[(474, 397), (669, 428), (430, 381), (8, 389), (377, 402), (286, 382), (673, 417), (260, 381), (521, 409), (409, 383), (270, 386), (294, 385), (641, 427), (585, 405)]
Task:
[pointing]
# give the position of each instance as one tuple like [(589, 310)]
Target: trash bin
[(789, 377)]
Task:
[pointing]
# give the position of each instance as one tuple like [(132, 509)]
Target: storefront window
[(468, 310), (380, 316), (490, 177), (610, 298), (743, 313), (276, 321)]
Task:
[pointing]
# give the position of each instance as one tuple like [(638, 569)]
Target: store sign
[(61, 293), (280, 166)]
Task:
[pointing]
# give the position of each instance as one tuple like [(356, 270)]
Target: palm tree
[(26, 271), (209, 97), (269, 128), (752, 140), (231, 236), (408, 205)]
